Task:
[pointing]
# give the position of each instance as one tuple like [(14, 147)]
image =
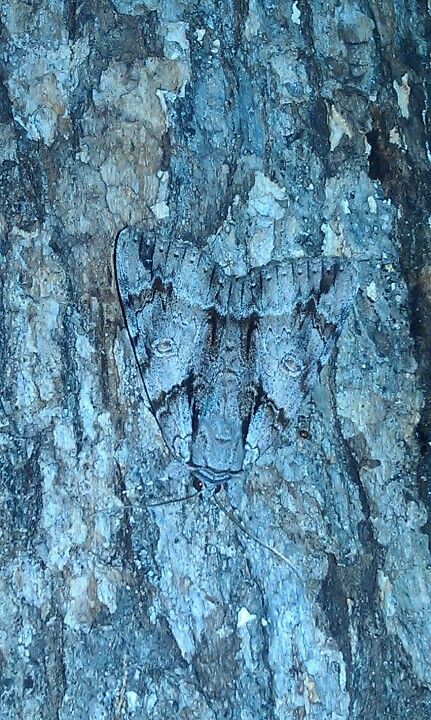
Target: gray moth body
[(226, 361)]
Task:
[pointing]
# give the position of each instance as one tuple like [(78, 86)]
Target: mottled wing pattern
[(226, 361), (306, 302), (164, 325), (304, 305)]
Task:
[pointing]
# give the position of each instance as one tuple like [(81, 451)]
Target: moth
[(226, 360)]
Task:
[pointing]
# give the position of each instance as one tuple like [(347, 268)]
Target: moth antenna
[(168, 501), (173, 500), (254, 537)]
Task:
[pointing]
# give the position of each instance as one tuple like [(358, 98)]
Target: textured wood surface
[(262, 134)]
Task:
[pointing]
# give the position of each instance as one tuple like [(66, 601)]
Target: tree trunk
[(262, 132)]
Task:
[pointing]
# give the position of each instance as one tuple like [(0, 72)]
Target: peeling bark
[(262, 130)]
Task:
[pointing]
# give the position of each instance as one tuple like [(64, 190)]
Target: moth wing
[(297, 333), (133, 261), (163, 287)]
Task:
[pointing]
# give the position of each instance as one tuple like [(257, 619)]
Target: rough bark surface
[(288, 129)]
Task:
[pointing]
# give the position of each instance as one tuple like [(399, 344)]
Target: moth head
[(198, 484)]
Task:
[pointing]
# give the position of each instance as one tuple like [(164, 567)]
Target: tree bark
[(292, 129)]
